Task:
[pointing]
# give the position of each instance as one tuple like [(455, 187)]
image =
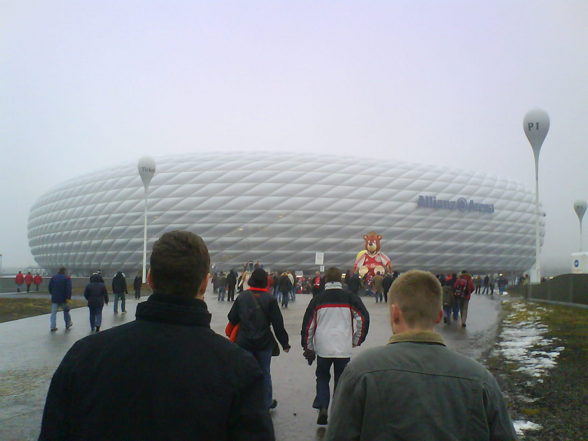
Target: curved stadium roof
[(280, 210)]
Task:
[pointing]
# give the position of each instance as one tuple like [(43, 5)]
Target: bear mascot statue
[(371, 260)]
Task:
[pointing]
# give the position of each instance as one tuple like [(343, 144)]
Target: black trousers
[(323, 377), (231, 294)]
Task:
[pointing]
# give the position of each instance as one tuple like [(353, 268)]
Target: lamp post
[(146, 167), (580, 209), (536, 126)]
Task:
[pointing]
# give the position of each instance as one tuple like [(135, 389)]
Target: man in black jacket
[(166, 375), (119, 289), (231, 282)]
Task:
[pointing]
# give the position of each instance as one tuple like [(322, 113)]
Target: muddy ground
[(540, 359)]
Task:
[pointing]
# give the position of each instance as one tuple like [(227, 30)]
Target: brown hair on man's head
[(179, 263), (333, 275), (418, 294)]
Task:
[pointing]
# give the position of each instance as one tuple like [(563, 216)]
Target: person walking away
[(215, 283), (386, 284), (242, 284), (284, 288), (28, 279), (354, 283), (137, 284), (316, 284), (96, 295), (378, 282), (486, 284), (415, 388), (449, 301), (478, 284), (60, 290), (19, 280), (491, 283), (119, 289), (222, 283), (231, 283), (37, 281), (164, 376), (335, 321), (292, 277), (256, 310), (98, 273), (502, 284), (463, 289)]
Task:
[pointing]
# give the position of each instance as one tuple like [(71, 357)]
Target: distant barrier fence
[(568, 289)]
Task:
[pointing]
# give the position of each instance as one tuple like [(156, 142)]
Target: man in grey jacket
[(415, 388)]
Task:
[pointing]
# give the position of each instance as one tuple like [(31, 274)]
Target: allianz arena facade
[(280, 210)]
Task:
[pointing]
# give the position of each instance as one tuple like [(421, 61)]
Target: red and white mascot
[(371, 260)]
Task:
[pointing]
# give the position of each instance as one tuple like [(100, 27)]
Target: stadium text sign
[(461, 204)]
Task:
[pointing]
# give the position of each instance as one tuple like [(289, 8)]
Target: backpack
[(461, 288)]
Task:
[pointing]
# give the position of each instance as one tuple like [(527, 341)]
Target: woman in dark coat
[(96, 295)]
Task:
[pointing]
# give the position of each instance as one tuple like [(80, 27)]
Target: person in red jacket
[(19, 280), (28, 279), (316, 284), (463, 289), (37, 280)]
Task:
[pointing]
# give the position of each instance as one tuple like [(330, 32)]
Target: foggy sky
[(88, 85)]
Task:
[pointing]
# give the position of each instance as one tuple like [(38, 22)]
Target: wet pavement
[(30, 353)]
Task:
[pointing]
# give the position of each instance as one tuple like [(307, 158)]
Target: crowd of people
[(180, 380), (96, 294)]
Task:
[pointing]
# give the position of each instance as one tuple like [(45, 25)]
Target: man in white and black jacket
[(335, 321)]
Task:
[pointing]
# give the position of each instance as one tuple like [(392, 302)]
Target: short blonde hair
[(418, 294)]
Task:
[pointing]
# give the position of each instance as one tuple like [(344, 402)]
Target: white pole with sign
[(319, 259), (580, 209), (536, 126), (146, 167)]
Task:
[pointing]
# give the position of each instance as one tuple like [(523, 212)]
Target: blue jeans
[(323, 376), (120, 296), (95, 316), (454, 309), (451, 309), (221, 294), (66, 316), (264, 358)]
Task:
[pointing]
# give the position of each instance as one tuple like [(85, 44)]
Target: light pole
[(536, 126), (146, 167), (580, 209)]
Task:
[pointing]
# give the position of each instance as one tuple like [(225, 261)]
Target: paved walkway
[(30, 355)]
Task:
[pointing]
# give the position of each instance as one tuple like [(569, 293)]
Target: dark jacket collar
[(417, 337), (178, 310)]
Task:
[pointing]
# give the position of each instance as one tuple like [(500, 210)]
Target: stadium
[(280, 209)]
